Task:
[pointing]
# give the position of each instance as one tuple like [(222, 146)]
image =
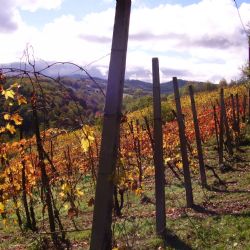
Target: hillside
[(66, 105), (76, 99)]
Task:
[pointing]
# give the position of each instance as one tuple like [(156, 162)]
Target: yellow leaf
[(65, 187), (62, 194), (85, 145), (4, 221), (138, 191), (166, 160), (15, 85), (179, 164), (6, 116), (9, 93), (91, 138), (11, 128), (17, 119), (79, 192), (19, 204), (17, 186), (66, 206), (1, 208)]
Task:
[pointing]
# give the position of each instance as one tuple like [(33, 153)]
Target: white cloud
[(209, 32), (33, 5), (202, 41), (10, 17)]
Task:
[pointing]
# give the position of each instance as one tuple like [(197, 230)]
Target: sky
[(201, 40)]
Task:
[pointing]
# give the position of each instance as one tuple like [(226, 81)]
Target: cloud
[(203, 41), (95, 39), (184, 40), (34, 5), (139, 73), (8, 15), (182, 73), (218, 42), (144, 36)]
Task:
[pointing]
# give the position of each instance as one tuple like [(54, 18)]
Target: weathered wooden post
[(248, 58), (183, 145), (158, 152), (225, 120), (101, 238), (248, 105), (221, 131), (244, 108), (216, 127), (237, 112), (234, 115), (248, 79), (198, 139)]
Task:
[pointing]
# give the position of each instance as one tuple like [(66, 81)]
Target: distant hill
[(166, 88), (72, 74), (78, 94)]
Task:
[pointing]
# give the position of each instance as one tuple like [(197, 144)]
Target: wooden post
[(198, 139), (248, 57), (101, 237), (248, 80), (224, 123), (158, 152), (221, 130), (183, 142), (238, 112), (248, 105), (216, 127), (234, 115), (244, 108), (228, 135)]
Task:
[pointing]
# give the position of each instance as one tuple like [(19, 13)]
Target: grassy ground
[(221, 219)]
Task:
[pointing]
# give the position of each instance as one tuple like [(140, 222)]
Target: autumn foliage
[(71, 157)]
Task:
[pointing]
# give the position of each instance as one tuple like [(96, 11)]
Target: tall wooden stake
[(198, 139), (248, 105), (248, 79), (237, 112), (248, 57), (225, 120), (234, 115), (221, 131), (183, 142), (101, 238), (158, 152)]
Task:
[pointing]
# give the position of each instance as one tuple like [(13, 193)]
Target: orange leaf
[(21, 100), (2, 129), (17, 119)]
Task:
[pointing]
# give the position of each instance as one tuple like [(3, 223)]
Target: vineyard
[(173, 174), (69, 161)]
